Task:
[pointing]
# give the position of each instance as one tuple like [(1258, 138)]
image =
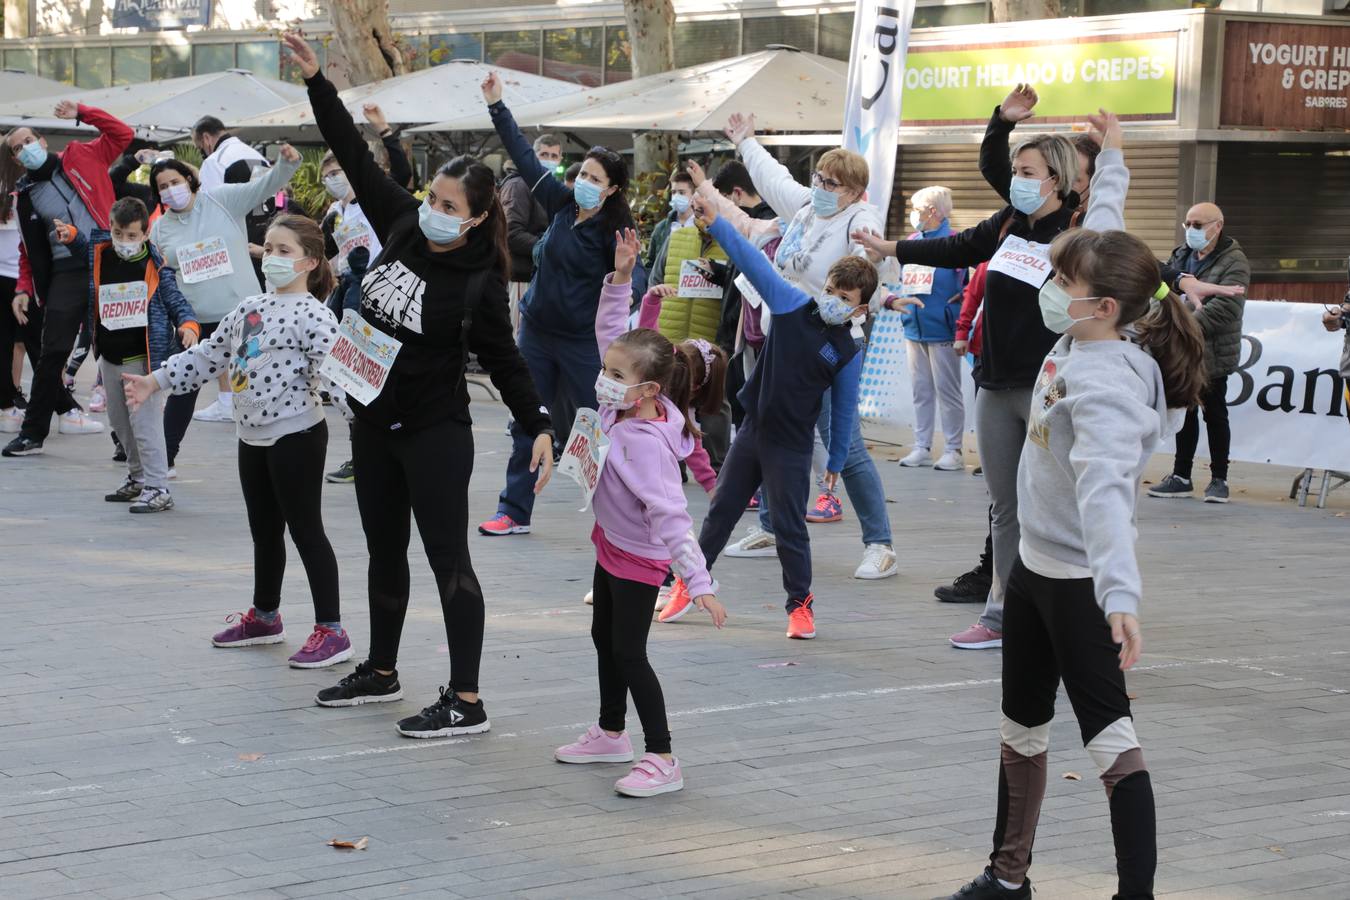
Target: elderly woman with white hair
[(930, 330)]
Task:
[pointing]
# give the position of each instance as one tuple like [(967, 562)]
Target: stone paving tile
[(129, 747)]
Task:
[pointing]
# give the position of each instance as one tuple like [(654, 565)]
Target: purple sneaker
[(325, 647), (596, 747), (651, 776), (249, 630)]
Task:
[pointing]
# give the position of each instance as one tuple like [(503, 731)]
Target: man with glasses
[(1211, 256)]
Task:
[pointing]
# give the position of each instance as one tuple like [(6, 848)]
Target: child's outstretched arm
[(611, 315), (778, 293)]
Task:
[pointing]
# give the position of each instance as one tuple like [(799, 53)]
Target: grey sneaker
[(344, 474), (152, 500), (1172, 487), (1217, 492), (129, 492)]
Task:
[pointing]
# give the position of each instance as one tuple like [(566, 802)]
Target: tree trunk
[(1024, 10), (651, 34), (363, 34)]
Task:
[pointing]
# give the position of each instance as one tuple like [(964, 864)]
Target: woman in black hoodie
[(436, 291)]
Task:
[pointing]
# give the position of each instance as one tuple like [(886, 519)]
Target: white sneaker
[(878, 562), (216, 412), (173, 473), (589, 599), (663, 597), (951, 461), (76, 422), (920, 457), (757, 543), (11, 420)]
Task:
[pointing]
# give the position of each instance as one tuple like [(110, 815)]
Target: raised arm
[(114, 134), (400, 170), (239, 199), (611, 315), (959, 251), (550, 193), (778, 293), (773, 181), (1111, 182)]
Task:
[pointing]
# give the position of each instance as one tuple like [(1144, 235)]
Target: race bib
[(748, 292), (1024, 260), (584, 455), (123, 305), (361, 358), (694, 284), (916, 281), (350, 236), (204, 261)]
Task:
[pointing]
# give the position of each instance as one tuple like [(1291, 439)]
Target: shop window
[(22, 61), (574, 54), (262, 58), (701, 42), (618, 55), (1119, 7), (131, 65), (170, 61), (445, 47), (93, 67), (795, 31), (517, 50), (57, 63), (207, 58), (836, 35)]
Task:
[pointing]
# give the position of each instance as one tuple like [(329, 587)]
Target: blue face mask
[(438, 227), (824, 203), (1196, 238), (679, 203), (33, 155), (834, 310), (1025, 195), (586, 193), (279, 270)]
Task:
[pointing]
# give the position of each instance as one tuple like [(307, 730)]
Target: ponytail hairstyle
[(707, 374), (480, 189), (1119, 265), (309, 235), (656, 359)]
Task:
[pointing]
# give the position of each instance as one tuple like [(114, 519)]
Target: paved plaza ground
[(138, 761)]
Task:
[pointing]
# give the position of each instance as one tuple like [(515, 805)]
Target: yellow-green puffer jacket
[(685, 317)]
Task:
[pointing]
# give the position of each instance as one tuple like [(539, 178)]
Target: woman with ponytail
[(436, 291), (270, 347), (1129, 362), (642, 530)]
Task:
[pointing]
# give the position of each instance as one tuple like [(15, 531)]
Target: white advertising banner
[(1286, 402), (876, 75)]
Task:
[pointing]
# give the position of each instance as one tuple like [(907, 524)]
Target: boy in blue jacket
[(138, 317), (810, 349)]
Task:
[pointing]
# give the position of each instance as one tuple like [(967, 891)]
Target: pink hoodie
[(700, 465), (639, 501)]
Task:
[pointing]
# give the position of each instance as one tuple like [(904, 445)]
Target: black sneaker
[(345, 474), (127, 493), (986, 887), (119, 452), (364, 685), (972, 587), (1172, 487), (22, 446), (450, 715), (1217, 492)]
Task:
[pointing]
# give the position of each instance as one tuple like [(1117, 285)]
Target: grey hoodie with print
[(1098, 412)]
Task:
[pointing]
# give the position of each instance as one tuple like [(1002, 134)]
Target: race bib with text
[(361, 358), (123, 305), (1024, 260), (204, 261)]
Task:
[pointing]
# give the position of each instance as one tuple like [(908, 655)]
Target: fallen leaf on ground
[(1275, 849), (776, 665), (359, 844), (251, 757), (1133, 696), (1072, 776)]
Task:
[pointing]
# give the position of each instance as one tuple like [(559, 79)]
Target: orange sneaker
[(679, 603), (802, 622)]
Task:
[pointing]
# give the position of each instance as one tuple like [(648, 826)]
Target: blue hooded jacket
[(936, 322)]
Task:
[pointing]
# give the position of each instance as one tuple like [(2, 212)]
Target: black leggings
[(1053, 629), (1215, 406), (11, 333), (283, 486), (423, 473), (620, 620), (66, 303), (178, 409)]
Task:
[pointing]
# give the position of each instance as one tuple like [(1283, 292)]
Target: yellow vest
[(685, 317)]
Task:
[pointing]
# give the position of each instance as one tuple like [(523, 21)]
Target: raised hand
[(302, 53), (739, 127), (375, 116), (1104, 128), (704, 212), (492, 88), (1018, 105), (695, 172), (626, 250), (67, 109), (289, 153)]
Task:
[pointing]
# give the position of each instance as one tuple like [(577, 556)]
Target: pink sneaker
[(501, 525), (977, 637), (248, 630), (596, 747), (325, 647), (98, 399), (651, 776)]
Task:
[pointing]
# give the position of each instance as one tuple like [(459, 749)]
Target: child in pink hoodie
[(642, 531)]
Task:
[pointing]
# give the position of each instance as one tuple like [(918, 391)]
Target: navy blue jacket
[(801, 360), (571, 260)]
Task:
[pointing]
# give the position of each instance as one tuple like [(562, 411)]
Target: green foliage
[(189, 154), (649, 198), (307, 190)]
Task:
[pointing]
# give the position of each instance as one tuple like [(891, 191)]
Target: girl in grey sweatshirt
[(271, 346), (1129, 362)]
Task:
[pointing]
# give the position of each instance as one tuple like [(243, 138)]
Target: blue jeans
[(563, 368), (862, 482)]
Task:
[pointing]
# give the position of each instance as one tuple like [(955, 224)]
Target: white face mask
[(176, 196), (337, 186), (609, 392), (128, 251), (280, 270)]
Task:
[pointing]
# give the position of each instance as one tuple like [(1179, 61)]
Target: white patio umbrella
[(786, 89), (164, 110), (440, 92), (16, 85)]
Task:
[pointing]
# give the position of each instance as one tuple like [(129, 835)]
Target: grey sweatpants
[(1000, 431), (935, 378), (141, 432)]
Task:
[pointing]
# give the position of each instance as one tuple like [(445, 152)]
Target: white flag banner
[(1287, 401), (876, 77)]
